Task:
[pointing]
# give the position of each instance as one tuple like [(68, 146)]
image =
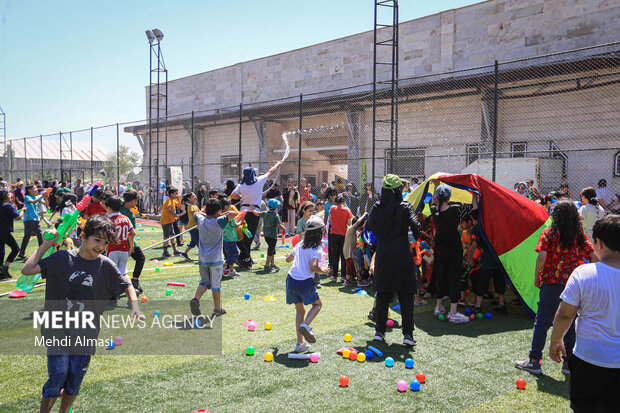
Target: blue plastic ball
[(156, 314), (488, 316), (409, 363), (389, 362), (369, 354), (415, 385), (467, 311), (246, 296), (197, 323), (111, 344)]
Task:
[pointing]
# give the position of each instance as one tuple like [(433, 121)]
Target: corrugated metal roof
[(51, 150)]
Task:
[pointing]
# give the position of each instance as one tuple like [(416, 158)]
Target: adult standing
[(368, 198), (78, 190), (250, 193), (291, 202), (592, 293), (393, 266), (607, 198)]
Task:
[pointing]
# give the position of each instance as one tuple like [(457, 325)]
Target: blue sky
[(68, 65)]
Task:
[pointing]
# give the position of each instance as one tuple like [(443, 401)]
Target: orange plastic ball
[(353, 355), (144, 299), (344, 381), (521, 383), (421, 377)]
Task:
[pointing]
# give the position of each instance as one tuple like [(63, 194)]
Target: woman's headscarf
[(391, 194), (249, 176)]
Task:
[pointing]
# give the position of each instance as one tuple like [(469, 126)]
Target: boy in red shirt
[(120, 250), (340, 219), (95, 207)]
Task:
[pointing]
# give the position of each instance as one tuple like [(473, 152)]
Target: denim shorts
[(231, 252), (211, 277), (65, 371), (301, 291), (193, 233)]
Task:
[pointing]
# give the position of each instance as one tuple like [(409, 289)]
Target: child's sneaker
[(305, 330), (379, 336), (371, 315), (177, 253), (477, 310), (234, 273), (275, 267), (363, 283), (194, 306), (529, 366), (501, 309), (408, 340), (184, 255), (166, 254), (348, 283), (462, 302), (458, 318), (136, 286), (267, 268), (301, 348), (439, 311)]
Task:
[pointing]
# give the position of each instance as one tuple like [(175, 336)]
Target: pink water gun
[(84, 202)]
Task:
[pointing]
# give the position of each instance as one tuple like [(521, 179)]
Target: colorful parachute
[(509, 222)]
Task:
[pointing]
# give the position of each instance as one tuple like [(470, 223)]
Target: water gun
[(283, 237), (246, 231), (240, 215), (82, 204), (417, 258), (474, 266)]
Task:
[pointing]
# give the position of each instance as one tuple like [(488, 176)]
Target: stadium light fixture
[(158, 34), (150, 36)]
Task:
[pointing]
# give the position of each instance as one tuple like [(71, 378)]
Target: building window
[(230, 166), (617, 164), (518, 149), (473, 153), (407, 161)]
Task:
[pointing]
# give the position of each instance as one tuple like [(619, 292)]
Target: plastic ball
[(390, 323), (347, 337), (250, 351), (111, 344), (268, 325), (409, 363), (415, 385), (138, 239), (353, 355), (472, 317), (246, 296), (251, 327), (225, 272), (344, 381), (346, 353), (262, 255), (156, 313), (521, 383), (314, 358), (268, 356), (156, 269), (401, 385), (144, 299), (479, 316), (488, 316), (361, 357), (389, 362), (442, 317), (197, 323), (421, 377), (168, 292), (152, 242), (467, 311), (118, 340)]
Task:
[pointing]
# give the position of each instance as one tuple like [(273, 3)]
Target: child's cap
[(314, 222), (273, 203), (443, 191)]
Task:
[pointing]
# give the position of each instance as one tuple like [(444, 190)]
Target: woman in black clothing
[(393, 266)]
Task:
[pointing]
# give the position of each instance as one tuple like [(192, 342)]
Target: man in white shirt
[(606, 198), (592, 293)]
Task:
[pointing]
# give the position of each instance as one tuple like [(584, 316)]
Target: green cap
[(392, 181)]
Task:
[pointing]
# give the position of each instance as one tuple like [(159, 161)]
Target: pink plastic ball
[(314, 358), (390, 323), (401, 386), (118, 340), (251, 327)]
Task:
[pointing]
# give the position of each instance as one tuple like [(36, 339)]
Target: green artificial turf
[(469, 367)]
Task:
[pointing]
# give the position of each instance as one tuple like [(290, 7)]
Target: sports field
[(469, 367)]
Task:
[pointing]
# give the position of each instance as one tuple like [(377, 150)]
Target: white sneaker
[(301, 348), (234, 273), (458, 318), (305, 330), (439, 311)]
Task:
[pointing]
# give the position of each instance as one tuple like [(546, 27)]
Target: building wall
[(454, 39)]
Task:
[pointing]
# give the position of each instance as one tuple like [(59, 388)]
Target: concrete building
[(550, 104)]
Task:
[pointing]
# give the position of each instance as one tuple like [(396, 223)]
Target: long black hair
[(313, 238), (589, 193), (567, 224), (4, 195)]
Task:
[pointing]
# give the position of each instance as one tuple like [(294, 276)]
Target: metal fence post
[(41, 158), (60, 140), (496, 75), (92, 175), (301, 116), (25, 162), (191, 168), (118, 163), (239, 169)]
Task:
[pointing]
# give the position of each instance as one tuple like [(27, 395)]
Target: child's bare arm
[(372, 263), (289, 258), (31, 267), (132, 235), (315, 267), (282, 227), (133, 299)]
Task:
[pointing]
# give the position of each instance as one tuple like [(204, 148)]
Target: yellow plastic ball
[(346, 353), (361, 357), (347, 337), (268, 325), (268, 356)]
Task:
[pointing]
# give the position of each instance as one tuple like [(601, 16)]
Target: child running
[(210, 240), (231, 252), (191, 208), (168, 219), (7, 215), (271, 223), (300, 288), (120, 250)]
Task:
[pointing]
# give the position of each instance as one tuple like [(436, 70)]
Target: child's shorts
[(271, 246), (120, 258), (65, 371), (168, 230), (231, 252), (194, 235), (300, 291), (211, 277)]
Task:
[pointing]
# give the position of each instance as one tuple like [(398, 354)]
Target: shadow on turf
[(549, 385)]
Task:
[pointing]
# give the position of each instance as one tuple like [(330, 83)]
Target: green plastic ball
[(262, 255), (479, 316), (157, 269), (442, 317), (168, 292), (250, 351)]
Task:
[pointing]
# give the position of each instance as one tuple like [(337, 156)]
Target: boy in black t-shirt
[(73, 275)]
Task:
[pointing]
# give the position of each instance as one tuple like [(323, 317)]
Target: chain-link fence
[(552, 119)]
